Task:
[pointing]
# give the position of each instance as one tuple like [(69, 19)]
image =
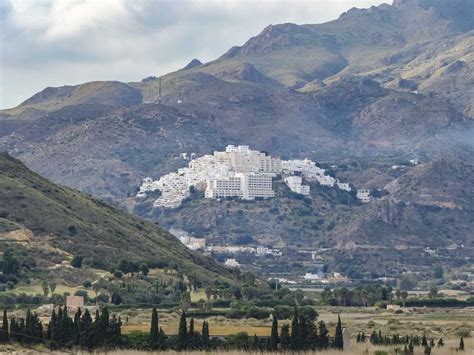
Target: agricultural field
[(434, 322)]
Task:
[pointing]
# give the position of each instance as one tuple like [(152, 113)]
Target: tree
[(154, 330), (208, 293), (433, 293), (404, 295), (144, 269), (77, 261), (4, 335), (438, 271), (182, 332), (52, 286), (205, 335), (461, 344), (440, 342), (323, 338), (299, 296), (192, 334), (274, 334), (338, 339), (11, 264), (285, 338), (45, 287), (295, 332)]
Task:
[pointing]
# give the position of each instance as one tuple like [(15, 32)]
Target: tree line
[(105, 331)]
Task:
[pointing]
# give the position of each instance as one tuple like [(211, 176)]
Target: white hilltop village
[(238, 172)]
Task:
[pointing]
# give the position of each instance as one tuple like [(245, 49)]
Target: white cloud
[(53, 43)]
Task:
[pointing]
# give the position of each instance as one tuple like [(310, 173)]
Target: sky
[(65, 42)]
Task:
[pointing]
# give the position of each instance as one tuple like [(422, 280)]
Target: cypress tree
[(338, 339), (461, 344), (154, 330), (4, 336), (323, 340), (295, 332), (424, 341), (191, 334), (182, 332), (205, 335), (274, 334), (285, 338)]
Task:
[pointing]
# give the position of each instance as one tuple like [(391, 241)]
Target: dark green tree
[(182, 332), (338, 339), (285, 338), (154, 329), (295, 332), (205, 335), (461, 344), (192, 335), (4, 335), (274, 334), (11, 264), (323, 335)]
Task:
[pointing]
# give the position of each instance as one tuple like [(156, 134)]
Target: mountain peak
[(192, 64)]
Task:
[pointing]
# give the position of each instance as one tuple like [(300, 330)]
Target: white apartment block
[(230, 186), (295, 183), (247, 186)]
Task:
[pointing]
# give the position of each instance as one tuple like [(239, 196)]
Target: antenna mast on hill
[(159, 91)]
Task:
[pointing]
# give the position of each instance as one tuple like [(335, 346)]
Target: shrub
[(257, 313), (87, 283), (77, 261)]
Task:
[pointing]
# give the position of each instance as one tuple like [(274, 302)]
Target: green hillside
[(54, 223)]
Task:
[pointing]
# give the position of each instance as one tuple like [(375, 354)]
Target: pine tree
[(461, 344), (274, 334), (295, 332), (338, 339), (424, 341), (4, 336), (154, 330), (182, 332), (440, 342), (285, 338), (205, 335)]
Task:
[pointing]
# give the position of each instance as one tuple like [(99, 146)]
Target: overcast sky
[(53, 43)]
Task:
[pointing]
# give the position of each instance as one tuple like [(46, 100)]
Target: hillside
[(55, 223)]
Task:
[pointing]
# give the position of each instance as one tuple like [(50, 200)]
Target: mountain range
[(372, 89)]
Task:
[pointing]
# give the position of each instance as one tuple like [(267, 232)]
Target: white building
[(343, 186), (295, 185), (192, 242), (247, 186), (311, 277), (231, 263), (363, 195)]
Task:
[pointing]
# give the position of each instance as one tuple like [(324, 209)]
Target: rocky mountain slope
[(56, 223), (369, 90)]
